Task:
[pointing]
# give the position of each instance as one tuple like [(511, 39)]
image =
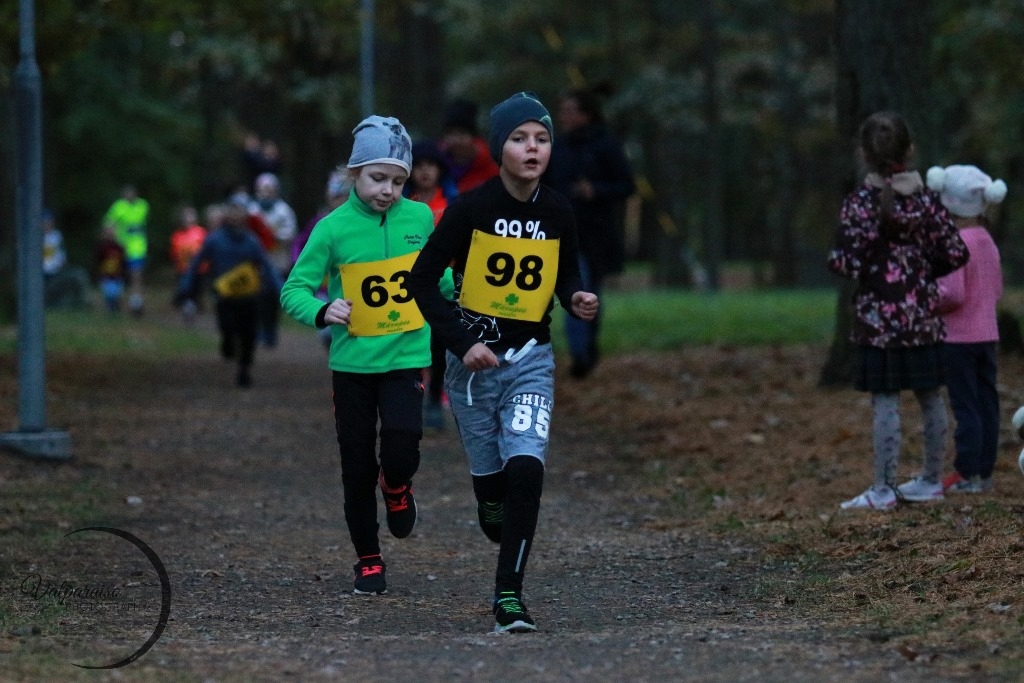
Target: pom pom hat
[(965, 190), (508, 115), (381, 140)]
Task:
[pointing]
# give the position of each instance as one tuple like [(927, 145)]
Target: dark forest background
[(737, 116)]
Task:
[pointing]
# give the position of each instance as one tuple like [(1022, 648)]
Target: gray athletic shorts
[(503, 411)]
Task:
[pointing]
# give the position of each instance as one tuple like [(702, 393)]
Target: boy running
[(512, 245)]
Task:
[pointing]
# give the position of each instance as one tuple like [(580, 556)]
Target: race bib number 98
[(510, 277), (380, 302)]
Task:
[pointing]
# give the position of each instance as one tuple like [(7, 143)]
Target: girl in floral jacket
[(895, 239)]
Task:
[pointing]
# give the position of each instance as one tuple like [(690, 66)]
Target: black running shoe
[(491, 516), (370, 576), (510, 615), (401, 508)]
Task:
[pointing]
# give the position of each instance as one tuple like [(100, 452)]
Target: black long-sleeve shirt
[(489, 208)]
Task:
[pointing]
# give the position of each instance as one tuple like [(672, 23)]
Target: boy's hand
[(338, 312), (585, 305), (479, 357)]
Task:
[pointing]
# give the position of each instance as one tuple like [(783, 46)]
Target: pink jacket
[(968, 296)]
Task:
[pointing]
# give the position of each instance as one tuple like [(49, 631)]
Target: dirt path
[(240, 498)]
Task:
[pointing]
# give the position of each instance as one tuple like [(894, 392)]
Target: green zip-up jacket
[(355, 233)]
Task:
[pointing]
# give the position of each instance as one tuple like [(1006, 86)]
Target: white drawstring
[(511, 356)]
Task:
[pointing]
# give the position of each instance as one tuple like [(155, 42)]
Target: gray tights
[(887, 435)]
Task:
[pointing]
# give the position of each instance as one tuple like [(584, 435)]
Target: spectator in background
[(186, 242), (467, 163), (259, 157), (335, 194), (240, 195), (967, 301), (895, 239), (463, 150), (589, 167), (280, 218), (128, 216), (64, 285), (187, 239), (339, 184), (430, 183), (110, 263), (213, 216)]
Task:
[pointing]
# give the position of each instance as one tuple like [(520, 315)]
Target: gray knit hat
[(516, 110), (381, 140)]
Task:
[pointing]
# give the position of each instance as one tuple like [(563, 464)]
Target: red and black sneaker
[(401, 508), (370, 576)]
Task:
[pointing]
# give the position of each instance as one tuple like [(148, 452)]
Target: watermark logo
[(107, 591)]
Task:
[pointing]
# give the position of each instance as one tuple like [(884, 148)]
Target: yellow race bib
[(380, 302), (510, 277), (242, 280)]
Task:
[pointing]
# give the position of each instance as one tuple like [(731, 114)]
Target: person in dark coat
[(589, 166)]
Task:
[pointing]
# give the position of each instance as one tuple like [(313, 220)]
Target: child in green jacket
[(380, 341)]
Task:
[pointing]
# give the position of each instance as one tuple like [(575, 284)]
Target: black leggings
[(236, 320), (396, 398), (519, 486)]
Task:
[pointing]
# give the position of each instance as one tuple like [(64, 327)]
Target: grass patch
[(660, 320), (655, 320), (102, 334)]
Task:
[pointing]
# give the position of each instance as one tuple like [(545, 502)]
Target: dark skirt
[(887, 371)]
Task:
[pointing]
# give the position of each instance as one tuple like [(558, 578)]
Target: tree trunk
[(712, 236), (882, 63), (782, 212)]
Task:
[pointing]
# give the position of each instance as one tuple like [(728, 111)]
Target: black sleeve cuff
[(320, 322)]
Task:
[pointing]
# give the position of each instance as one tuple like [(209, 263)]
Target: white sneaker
[(919, 490), (872, 499)]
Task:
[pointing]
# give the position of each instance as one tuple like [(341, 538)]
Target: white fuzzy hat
[(965, 190)]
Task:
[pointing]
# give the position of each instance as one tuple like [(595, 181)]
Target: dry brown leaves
[(743, 442)]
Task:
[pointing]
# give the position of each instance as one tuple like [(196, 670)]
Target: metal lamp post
[(366, 61), (32, 438)]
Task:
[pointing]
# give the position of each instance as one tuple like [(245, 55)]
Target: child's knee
[(399, 456), (525, 471), (489, 488)]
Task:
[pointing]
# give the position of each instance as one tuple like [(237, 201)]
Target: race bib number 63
[(510, 277), (380, 302)]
